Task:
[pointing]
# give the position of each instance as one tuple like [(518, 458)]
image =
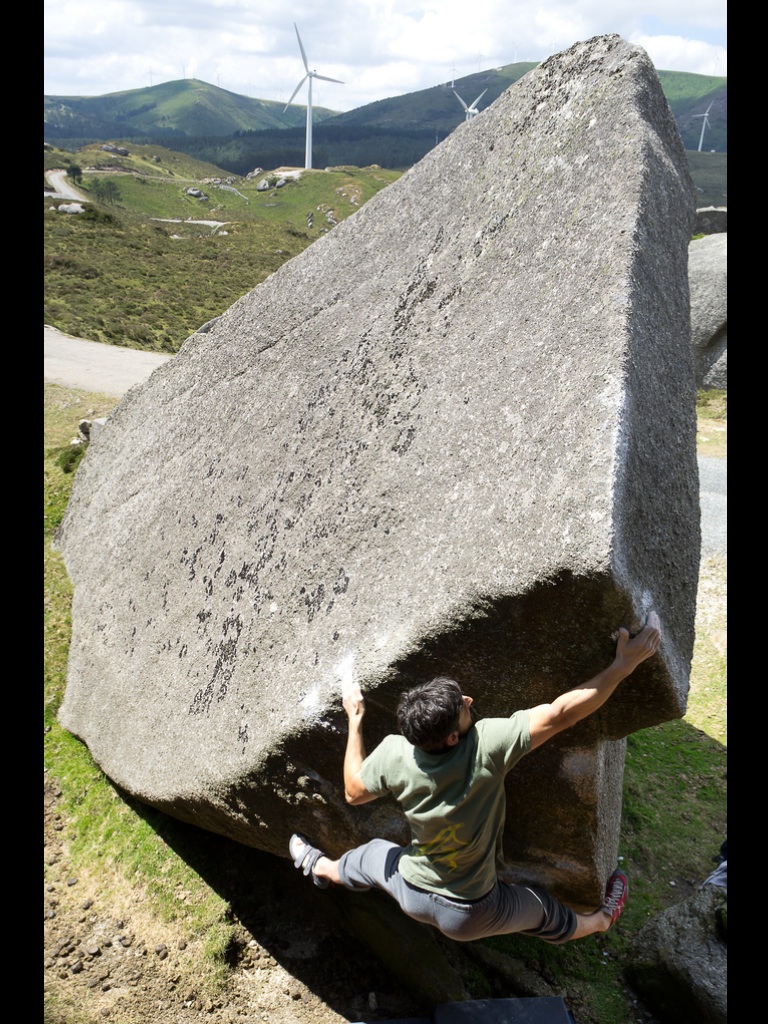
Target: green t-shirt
[(454, 803)]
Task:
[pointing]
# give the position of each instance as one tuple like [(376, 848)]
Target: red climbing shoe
[(616, 892)]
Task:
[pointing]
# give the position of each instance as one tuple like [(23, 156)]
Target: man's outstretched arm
[(547, 720), (354, 704)]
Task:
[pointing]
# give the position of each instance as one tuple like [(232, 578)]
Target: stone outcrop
[(708, 281), (456, 435), (710, 220), (678, 961)]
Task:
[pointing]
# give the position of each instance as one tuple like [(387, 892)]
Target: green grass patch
[(55, 158), (105, 832), (146, 285), (707, 699), (712, 405), (145, 159)]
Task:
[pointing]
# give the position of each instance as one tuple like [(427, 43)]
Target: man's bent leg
[(591, 924), (373, 865), (507, 910), (559, 922)]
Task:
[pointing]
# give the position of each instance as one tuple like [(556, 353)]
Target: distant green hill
[(174, 109), (238, 134), (436, 108), (194, 109), (689, 96)]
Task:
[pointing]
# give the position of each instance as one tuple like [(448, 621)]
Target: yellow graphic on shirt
[(443, 847)]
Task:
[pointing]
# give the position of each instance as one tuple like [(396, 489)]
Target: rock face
[(710, 220), (455, 436), (708, 278), (678, 961)]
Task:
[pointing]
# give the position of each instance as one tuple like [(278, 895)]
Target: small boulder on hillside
[(708, 278)]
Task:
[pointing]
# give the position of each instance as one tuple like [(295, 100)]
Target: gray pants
[(505, 909)]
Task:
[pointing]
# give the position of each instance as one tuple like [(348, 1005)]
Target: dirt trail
[(62, 189)]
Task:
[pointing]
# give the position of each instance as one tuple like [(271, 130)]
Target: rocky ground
[(108, 958), (289, 964)]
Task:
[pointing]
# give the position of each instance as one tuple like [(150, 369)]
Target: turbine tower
[(309, 76), (472, 110), (704, 123)]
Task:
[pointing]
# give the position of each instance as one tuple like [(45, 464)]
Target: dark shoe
[(305, 856), (616, 892)]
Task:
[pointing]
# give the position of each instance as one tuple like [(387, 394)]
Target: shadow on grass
[(301, 926)]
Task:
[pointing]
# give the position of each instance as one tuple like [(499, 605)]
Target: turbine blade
[(461, 101), (303, 55), (326, 79), (290, 101), (479, 97)]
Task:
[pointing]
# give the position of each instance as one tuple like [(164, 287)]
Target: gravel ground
[(289, 964)]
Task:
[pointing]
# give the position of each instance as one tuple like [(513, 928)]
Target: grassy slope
[(674, 793), (124, 278), (188, 106), (106, 835), (709, 172)]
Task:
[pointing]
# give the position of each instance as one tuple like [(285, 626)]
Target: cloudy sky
[(377, 48)]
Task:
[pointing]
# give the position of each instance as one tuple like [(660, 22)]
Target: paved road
[(91, 366), (713, 489), (59, 182)]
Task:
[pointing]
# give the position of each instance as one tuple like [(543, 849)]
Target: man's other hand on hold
[(631, 651)]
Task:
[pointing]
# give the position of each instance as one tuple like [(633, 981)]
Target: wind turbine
[(472, 110), (704, 123), (309, 75)]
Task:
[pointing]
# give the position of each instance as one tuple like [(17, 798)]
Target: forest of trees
[(395, 149)]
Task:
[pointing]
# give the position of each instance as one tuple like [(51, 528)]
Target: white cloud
[(671, 52), (378, 48)]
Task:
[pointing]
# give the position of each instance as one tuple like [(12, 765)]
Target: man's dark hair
[(429, 713)]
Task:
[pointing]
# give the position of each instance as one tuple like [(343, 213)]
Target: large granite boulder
[(455, 435), (708, 281)]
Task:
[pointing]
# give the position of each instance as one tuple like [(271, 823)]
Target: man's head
[(434, 715)]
